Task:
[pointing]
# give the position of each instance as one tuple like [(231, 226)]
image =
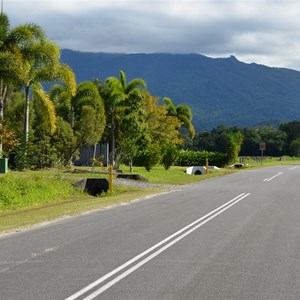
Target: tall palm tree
[(183, 113), (41, 63), (10, 61), (88, 99), (28, 58), (115, 93)]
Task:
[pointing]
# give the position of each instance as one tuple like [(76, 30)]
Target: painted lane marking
[(293, 168), (271, 178), (197, 224)]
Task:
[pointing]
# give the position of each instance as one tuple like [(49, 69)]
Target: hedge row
[(198, 158)]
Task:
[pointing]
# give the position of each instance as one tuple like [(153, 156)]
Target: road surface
[(231, 237)]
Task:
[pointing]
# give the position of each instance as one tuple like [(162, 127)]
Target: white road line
[(206, 219), (293, 168), (4, 270), (278, 174)]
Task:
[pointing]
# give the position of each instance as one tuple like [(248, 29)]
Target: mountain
[(219, 90)]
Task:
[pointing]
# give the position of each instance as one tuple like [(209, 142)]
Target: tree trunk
[(26, 116), (113, 141)]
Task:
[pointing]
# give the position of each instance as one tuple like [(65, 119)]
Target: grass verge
[(77, 202), (14, 219)]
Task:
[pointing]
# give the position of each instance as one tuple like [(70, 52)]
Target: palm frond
[(184, 110), (170, 106), (135, 84), (123, 79), (46, 107), (68, 78)]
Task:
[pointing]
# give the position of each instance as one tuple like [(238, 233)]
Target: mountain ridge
[(219, 90)]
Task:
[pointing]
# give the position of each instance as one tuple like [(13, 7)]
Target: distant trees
[(278, 140), (292, 131)]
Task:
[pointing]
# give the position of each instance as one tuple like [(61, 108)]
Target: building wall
[(87, 153)]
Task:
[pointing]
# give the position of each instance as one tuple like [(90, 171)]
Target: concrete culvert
[(196, 170)]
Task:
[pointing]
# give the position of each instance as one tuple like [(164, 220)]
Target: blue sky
[(261, 31)]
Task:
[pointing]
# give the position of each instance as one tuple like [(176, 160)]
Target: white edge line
[(118, 269), (278, 174)]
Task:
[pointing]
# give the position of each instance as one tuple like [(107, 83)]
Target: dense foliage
[(196, 158), (69, 115)]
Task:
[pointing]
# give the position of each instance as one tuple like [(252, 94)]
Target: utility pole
[(1, 7)]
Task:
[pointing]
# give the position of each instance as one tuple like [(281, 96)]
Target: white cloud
[(262, 31)]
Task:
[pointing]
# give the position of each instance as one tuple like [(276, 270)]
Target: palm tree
[(87, 103), (116, 92), (183, 113), (10, 60), (41, 64)]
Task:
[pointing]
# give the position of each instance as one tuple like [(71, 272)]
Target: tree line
[(42, 128), (284, 140)]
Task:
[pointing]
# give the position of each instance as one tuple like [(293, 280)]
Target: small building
[(99, 151)]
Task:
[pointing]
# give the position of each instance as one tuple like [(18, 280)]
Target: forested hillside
[(219, 90)]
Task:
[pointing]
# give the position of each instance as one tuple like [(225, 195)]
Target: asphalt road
[(232, 237)]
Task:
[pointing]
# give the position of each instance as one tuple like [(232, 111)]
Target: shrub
[(170, 154), (198, 158)]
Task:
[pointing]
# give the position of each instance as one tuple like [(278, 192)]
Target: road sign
[(262, 146)]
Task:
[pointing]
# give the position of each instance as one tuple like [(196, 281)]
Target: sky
[(261, 31)]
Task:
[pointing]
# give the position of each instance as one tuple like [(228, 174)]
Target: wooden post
[(110, 178)]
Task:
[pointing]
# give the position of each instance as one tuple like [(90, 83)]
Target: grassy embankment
[(32, 197)]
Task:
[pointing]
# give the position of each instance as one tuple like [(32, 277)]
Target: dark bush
[(198, 158)]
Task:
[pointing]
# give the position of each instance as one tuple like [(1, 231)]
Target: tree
[(295, 147), (183, 113), (115, 93), (131, 126), (40, 62), (250, 146), (274, 138), (10, 63), (89, 115), (64, 142), (234, 142), (161, 131), (216, 140), (292, 130)]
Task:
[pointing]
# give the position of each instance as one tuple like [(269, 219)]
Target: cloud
[(262, 31)]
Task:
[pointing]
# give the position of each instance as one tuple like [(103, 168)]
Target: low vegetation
[(32, 197)]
